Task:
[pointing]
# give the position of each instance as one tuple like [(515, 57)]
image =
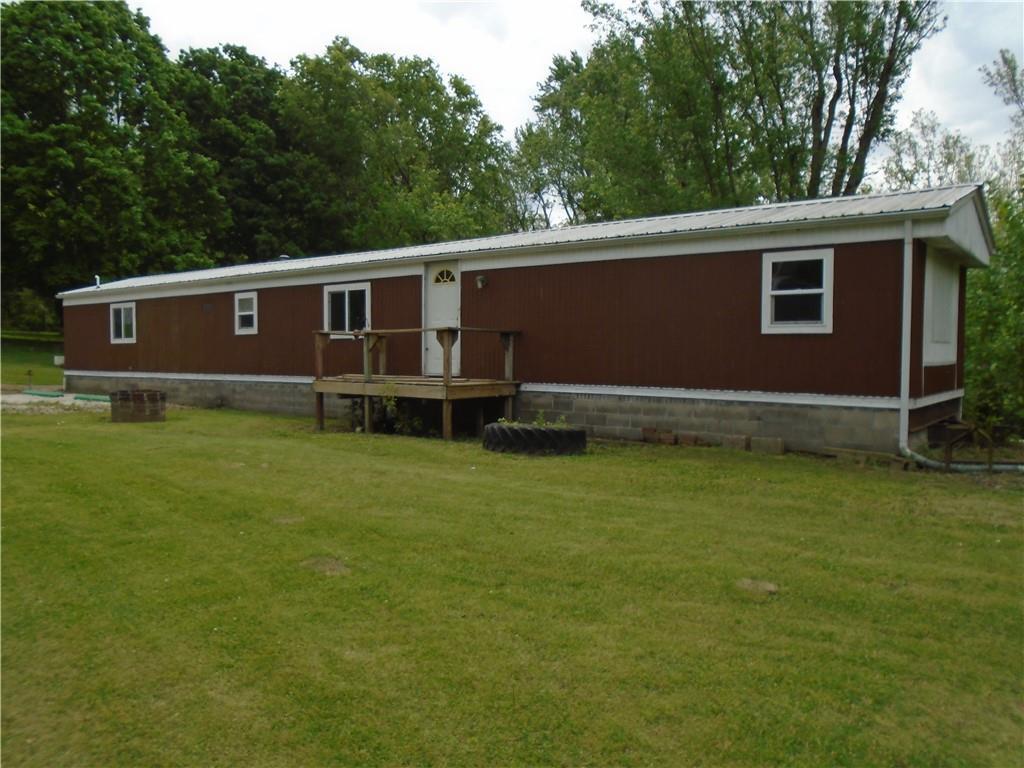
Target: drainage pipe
[(956, 466)]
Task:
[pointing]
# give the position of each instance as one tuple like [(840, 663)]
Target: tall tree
[(230, 98), (393, 154), (927, 154), (930, 155), (690, 105), (100, 172)]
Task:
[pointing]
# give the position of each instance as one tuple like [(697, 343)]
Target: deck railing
[(375, 341)]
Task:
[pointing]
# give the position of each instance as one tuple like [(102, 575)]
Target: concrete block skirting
[(717, 422), (271, 397)]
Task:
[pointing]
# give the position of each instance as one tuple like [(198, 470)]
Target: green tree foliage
[(995, 322), (408, 158), (118, 161), (995, 315), (100, 172), (230, 99), (691, 105), (927, 154)]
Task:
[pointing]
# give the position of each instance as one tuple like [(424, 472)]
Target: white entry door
[(441, 310)]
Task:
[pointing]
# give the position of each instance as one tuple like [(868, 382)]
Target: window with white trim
[(796, 291), (246, 314), (346, 307), (122, 323)]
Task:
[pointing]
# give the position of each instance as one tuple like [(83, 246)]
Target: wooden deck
[(446, 388), (422, 387)]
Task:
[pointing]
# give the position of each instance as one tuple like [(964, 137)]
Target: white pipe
[(908, 287)]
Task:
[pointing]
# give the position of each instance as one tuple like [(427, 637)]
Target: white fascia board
[(236, 377), (964, 234), (852, 232), (967, 226), (325, 276), (797, 234)]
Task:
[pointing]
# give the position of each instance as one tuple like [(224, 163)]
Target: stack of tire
[(529, 438)]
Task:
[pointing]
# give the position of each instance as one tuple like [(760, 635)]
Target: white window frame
[(344, 288), (239, 330), (940, 268), (135, 323), (827, 255)]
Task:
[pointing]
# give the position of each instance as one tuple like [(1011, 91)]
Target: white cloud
[(504, 48), (945, 77)]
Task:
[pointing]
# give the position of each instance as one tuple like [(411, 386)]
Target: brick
[(772, 445), (736, 442), (687, 438)]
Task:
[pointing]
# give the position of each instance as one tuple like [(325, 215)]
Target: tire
[(527, 438)]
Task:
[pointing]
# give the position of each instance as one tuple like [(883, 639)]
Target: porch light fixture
[(481, 281)]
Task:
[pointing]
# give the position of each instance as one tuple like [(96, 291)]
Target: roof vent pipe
[(97, 280)]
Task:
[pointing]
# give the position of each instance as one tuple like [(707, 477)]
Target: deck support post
[(319, 411), (367, 414), (446, 419), (508, 408)]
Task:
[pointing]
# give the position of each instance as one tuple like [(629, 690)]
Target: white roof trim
[(701, 226)]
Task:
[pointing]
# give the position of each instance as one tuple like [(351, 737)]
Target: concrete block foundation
[(718, 422), (294, 398), (619, 417)]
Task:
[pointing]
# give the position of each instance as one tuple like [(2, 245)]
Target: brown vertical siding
[(688, 321), (938, 378), (196, 334)]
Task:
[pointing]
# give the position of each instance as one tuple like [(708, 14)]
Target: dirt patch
[(758, 587), (329, 566), (292, 520)]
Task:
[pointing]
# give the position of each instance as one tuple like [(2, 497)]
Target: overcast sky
[(504, 47)]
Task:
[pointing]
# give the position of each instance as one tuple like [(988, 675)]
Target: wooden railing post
[(382, 356), (369, 340), (319, 342), (508, 342), (447, 338)]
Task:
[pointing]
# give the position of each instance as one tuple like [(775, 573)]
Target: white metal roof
[(812, 212)]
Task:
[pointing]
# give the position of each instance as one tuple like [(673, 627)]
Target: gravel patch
[(19, 403)]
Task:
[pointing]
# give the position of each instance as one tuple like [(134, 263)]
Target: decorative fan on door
[(444, 276)]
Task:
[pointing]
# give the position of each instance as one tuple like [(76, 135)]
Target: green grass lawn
[(234, 589), (24, 351)]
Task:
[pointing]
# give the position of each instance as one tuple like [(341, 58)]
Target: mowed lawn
[(26, 358), (234, 589)]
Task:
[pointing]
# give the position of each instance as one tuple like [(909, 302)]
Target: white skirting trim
[(238, 377), (785, 398)]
